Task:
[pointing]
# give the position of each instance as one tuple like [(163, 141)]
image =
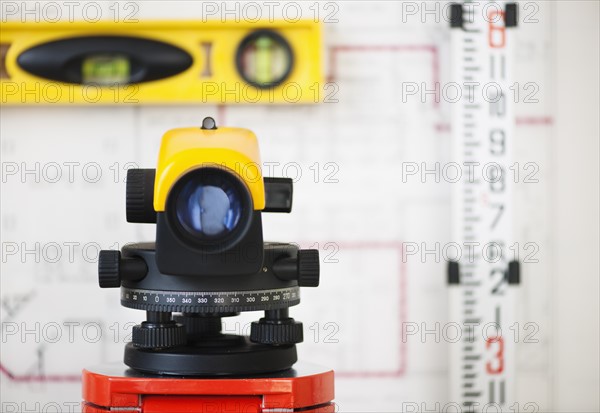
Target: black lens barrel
[(218, 178)]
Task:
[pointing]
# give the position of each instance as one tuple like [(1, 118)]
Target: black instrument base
[(230, 355)]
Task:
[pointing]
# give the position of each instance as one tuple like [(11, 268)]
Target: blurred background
[(62, 199)]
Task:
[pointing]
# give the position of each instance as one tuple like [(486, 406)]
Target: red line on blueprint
[(520, 121), (221, 115), (38, 378), (401, 316), (428, 48), (443, 127), (534, 121)]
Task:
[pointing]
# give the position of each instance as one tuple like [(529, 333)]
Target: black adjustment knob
[(304, 268), (286, 332), (308, 268), (140, 196), (154, 336), (108, 269), (112, 269)]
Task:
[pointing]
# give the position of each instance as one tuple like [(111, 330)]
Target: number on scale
[(495, 366)]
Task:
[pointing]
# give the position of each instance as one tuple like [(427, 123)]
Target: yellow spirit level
[(161, 62)]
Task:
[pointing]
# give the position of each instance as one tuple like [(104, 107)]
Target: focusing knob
[(304, 268), (308, 268), (140, 196), (152, 336), (108, 269), (265, 332), (112, 269)]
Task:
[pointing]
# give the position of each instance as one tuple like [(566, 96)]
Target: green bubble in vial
[(264, 60), (105, 69)]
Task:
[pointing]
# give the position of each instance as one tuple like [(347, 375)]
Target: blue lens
[(209, 211)]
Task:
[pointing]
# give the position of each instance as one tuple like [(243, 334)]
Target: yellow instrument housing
[(186, 149), (213, 77)]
